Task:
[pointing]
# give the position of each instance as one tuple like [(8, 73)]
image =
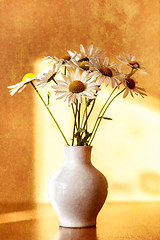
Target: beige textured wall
[(33, 29)]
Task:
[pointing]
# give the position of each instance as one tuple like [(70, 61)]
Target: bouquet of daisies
[(77, 78)]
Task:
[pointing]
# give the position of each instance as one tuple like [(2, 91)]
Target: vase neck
[(78, 154)]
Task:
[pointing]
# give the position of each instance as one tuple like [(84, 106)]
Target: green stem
[(65, 70), (85, 111), (132, 72), (50, 113), (101, 117), (94, 127), (87, 115), (79, 118), (79, 115), (74, 127)]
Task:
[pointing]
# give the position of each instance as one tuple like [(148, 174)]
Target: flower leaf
[(106, 118), (48, 98), (81, 130), (89, 102)]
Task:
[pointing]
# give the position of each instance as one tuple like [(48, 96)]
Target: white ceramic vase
[(77, 190)]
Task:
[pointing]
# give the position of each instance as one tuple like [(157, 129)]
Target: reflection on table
[(116, 221)]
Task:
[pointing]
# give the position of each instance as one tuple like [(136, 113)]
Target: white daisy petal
[(84, 76), (106, 61), (126, 93), (16, 85), (20, 90), (90, 50), (82, 50), (133, 58), (61, 95), (107, 81), (79, 98), (77, 74), (71, 53), (122, 60), (131, 93)]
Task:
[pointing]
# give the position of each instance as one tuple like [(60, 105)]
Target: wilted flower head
[(132, 62)]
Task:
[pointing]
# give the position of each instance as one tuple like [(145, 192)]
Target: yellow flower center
[(76, 86), (106, 71), (130, 83), (66, 58), (134, 64), (84, 65), (28, 75)]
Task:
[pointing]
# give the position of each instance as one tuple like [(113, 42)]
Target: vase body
[(77, 190)]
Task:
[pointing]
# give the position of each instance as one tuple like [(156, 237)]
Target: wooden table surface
[(116, 221)]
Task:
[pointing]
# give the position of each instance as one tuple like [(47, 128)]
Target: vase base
[(93, 226), (77, 224)]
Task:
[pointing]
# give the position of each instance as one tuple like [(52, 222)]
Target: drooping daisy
[(48, 76), (84, 65), (131, 61), (29, 77), (81, 59), (105, 71), (55, 60), (131, 87), (74, 86)]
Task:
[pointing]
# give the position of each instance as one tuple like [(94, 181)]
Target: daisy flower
[(29, 77), (48, 76), (81, 59), (131, 87), (131, 61), (105, 71), (85, 56), (74, 86)]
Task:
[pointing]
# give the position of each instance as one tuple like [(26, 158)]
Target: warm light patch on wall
[(131, 151), (48, 141), (126, 149)]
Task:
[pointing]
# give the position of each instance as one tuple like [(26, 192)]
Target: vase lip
[(75, 146)]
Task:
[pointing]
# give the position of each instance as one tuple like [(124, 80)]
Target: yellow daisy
[(29, 77)]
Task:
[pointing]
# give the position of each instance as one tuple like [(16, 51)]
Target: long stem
[(84, 112), (65, 70), (50, 113), (87, 115), (79, 115), (79, 118), (132, 72), (74, 127), (94, 127), (101, 117)]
